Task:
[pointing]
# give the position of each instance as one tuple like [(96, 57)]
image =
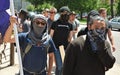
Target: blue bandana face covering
[(96, 36)]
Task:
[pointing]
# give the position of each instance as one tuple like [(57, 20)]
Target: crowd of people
[(41, 35)]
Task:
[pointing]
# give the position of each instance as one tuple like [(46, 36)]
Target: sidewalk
[(12, 70)]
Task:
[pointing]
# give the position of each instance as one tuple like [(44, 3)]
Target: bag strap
[(27, 49)]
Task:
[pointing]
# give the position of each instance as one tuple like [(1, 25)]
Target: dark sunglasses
[(40, 22), (52, 12)]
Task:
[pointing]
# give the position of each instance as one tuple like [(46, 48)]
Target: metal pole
[(16, 39), (21, 4)]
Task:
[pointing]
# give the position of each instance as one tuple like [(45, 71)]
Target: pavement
[(12, 70), (5, 69)]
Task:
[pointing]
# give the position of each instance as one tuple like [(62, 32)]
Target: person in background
[(50, 20), (61, 32), (90, 56), (103, 13), (22, 21), (83, 31), (75, 23), (45, 12)]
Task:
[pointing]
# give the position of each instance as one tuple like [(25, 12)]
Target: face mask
[(95, 36), (64, 17), (38, 30)]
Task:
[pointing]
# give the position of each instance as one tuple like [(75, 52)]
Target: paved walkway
[(12, 70)]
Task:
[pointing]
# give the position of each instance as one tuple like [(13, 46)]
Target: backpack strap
[(27, 49)]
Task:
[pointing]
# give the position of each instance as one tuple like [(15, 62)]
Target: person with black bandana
[(34, 45), (92, 55), (61, 32)]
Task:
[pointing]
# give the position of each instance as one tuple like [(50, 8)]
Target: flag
[(4, 16)]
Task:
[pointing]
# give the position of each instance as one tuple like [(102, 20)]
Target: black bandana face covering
[(64, 17), (95, 36)]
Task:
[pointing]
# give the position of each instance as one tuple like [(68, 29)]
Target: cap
[(92, 13), (40, 16), (31, 15), (23, 11), (63, 9), (72, 13), (98, 18)]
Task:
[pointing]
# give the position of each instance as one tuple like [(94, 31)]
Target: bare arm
[(8, 34), (51, 32), (111, 39), (70, 36)]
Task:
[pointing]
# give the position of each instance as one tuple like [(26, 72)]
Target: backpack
[(34, 58)]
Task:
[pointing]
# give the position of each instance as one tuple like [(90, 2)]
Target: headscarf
[(38, 33), (95, 36)]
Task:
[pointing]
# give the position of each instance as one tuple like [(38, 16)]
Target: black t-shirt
[(61, 32)]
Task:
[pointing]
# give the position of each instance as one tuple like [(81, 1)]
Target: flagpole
[(16, 39)]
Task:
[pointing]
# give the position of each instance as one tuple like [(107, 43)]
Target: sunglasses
[(52, 12), (42, 23)]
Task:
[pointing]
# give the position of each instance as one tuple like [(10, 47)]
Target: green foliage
[(79, 6), (30, 8), (39, 5), (118, 8), (36, 3)]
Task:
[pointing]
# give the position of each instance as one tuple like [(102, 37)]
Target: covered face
[(38, 29), (96, 31), (39, 24), (64, 13)]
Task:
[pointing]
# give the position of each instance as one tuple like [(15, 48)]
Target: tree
[(40, 5), (118, 8), (36, 3)]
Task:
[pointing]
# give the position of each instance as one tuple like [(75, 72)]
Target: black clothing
[(83, 31), (49, 21), (61, 33), (80, 60)]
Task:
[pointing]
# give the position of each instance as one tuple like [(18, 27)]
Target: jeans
[(59, 64)]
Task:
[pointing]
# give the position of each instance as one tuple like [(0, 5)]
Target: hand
[(49, 73), (113, 48), (13, 20)]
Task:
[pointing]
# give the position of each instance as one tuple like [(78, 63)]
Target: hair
[(53, 8), (101, 10), (90, 14)]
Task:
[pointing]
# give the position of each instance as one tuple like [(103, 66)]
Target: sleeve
[(69, 61), (83, 31), (53, 25), (78, 22), (105, 55), (52, 46), (71, 27), (21, 38)]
